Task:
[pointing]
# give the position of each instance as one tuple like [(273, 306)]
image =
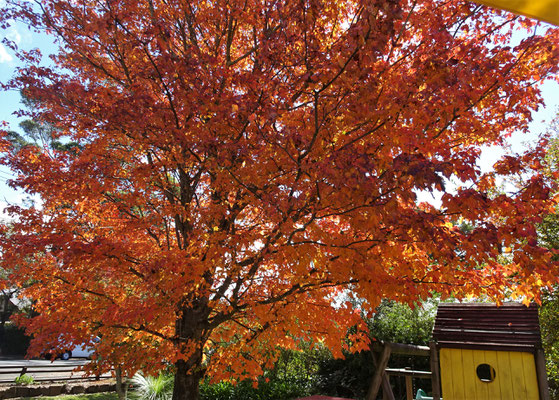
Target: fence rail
[(46, 373)]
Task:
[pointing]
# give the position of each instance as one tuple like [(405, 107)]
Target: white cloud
[(4, 55), (14, 35)]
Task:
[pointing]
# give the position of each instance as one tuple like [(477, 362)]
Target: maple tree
[(238, 165)]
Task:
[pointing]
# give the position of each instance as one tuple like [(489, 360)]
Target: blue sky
[(27, 39), (10, 100)]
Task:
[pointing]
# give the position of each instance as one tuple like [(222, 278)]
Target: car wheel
[(66, 355)]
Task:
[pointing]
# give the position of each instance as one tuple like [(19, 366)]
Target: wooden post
[(409, 388), (387, 393), (435, 375), (379, 373), (401, 348), (541, 374)]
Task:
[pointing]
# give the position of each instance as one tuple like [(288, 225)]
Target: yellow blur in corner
[(545, 10)]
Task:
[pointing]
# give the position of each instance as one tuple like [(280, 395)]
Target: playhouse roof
[(509, 327)]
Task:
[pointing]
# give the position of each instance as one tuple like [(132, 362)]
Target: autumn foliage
[(238, 165)]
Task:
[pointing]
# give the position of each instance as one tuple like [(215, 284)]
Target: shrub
[(24, 380), (400, 323), (295, 374), (245, 390), (347, 377)]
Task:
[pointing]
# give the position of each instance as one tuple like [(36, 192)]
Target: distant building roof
[(510, 327)]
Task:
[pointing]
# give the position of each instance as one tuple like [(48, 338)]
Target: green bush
[(266, 390), (349, 377), (400, 323), (294, 375), (24, 380)]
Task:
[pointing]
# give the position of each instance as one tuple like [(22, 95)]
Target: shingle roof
[(512, 326)]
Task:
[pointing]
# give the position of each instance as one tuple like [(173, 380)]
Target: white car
[(81, 351)]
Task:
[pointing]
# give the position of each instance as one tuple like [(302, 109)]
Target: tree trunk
[(121, 384), (187, 383), (191, 327)]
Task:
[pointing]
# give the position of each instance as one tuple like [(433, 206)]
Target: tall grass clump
[(152, 387)]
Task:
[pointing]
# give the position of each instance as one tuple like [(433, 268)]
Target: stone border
[(57, 389)]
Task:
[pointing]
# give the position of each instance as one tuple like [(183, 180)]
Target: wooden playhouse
[(489, 352)]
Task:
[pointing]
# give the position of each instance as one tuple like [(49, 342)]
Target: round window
[(485, 373)]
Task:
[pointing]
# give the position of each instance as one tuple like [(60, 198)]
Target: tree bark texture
[(187, 383), (191, 327)]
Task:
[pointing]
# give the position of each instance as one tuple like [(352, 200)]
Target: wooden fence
[(46, 372)]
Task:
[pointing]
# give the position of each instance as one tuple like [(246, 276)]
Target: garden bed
[(56, 389)]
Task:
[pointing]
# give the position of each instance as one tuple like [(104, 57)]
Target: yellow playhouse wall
[(515, 375)]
